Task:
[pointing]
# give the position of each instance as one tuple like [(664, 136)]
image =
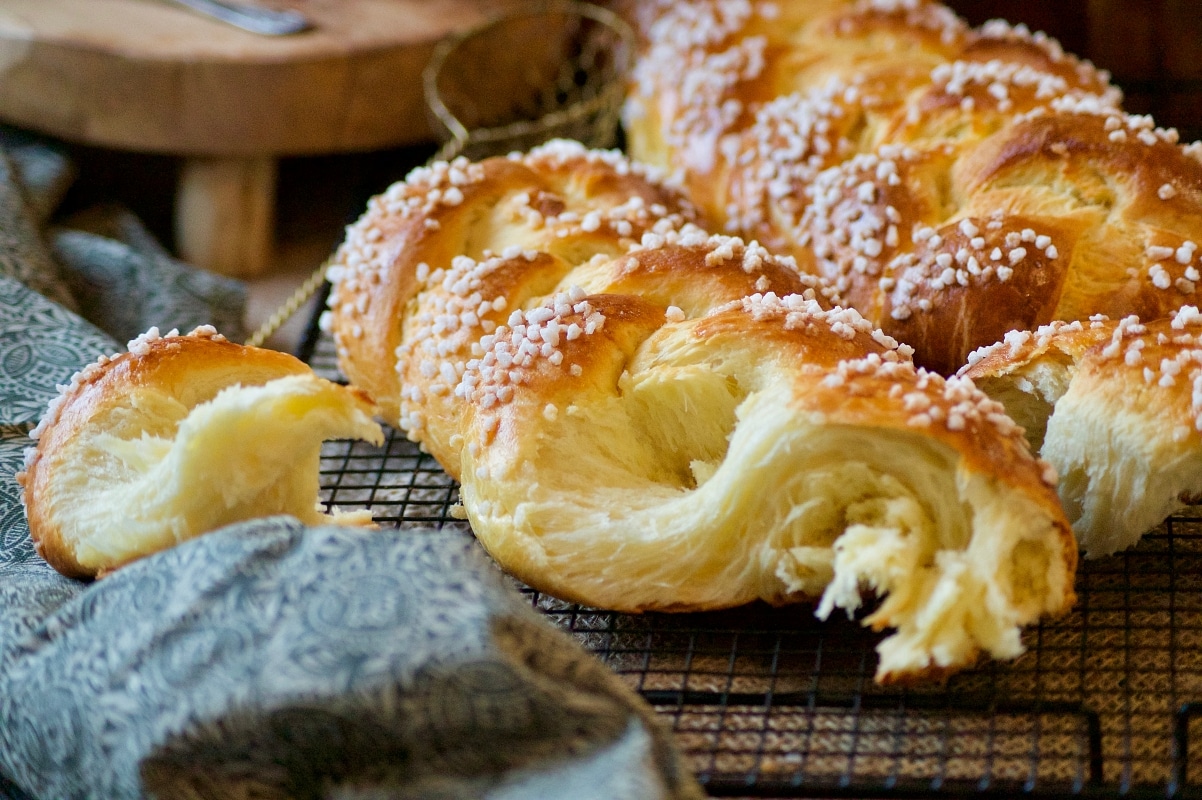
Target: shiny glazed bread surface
[(952, 183)]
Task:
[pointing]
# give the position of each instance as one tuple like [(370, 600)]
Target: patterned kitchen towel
[(43, 170), (101, 262), (23, 255), (271, 660), (125, 282)]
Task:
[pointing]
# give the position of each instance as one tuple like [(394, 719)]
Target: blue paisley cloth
[(267, 659)]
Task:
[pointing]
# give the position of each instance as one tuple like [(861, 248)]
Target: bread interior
[(705, 485), (151, 471)]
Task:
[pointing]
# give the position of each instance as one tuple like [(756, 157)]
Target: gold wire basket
[(555, 69)]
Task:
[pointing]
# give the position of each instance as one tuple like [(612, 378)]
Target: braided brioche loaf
[(443, 258), (951, 183), (644, 416)]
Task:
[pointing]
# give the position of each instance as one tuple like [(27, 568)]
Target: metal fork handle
[(266, 21)]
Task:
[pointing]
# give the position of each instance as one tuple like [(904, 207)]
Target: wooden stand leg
[(224, 213)]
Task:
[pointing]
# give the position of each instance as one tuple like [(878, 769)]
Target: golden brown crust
[(994, 124), (713, 72), (1019, 347), (1152, 365), (1115, 406), (1056, 216), (953, 313), (685, 273), (1133, 190), (952, 412), (619, 323), (520, 230), (697, 276), (190, 369), (558, 200)]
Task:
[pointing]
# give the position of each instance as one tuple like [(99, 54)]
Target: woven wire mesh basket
[(554, 71)]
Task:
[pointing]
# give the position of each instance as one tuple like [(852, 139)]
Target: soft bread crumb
[(775, 484), (180, 436)]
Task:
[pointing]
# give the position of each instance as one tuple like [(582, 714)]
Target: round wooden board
[(152, 76)]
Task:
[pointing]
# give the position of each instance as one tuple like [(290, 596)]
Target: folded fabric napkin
[(267, 659)]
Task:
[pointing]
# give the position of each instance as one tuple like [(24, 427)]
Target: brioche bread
[(645, 416), (559, 200), (951, 183), (420, 280), (1116, 407), (770, 449), (176, 437), (1056, 219)]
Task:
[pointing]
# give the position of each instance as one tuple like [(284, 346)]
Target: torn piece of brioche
[(1116, 407), (176, 437), (771, 449)]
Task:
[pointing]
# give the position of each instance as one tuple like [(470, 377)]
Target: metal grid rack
[(773, 703)]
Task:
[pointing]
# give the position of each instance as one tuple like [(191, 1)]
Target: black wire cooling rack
[(771, 702)]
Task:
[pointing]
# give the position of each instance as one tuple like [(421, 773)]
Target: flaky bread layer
[(179, 436), (770, 451)]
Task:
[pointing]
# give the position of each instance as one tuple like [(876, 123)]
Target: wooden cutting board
[(151, 76)]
